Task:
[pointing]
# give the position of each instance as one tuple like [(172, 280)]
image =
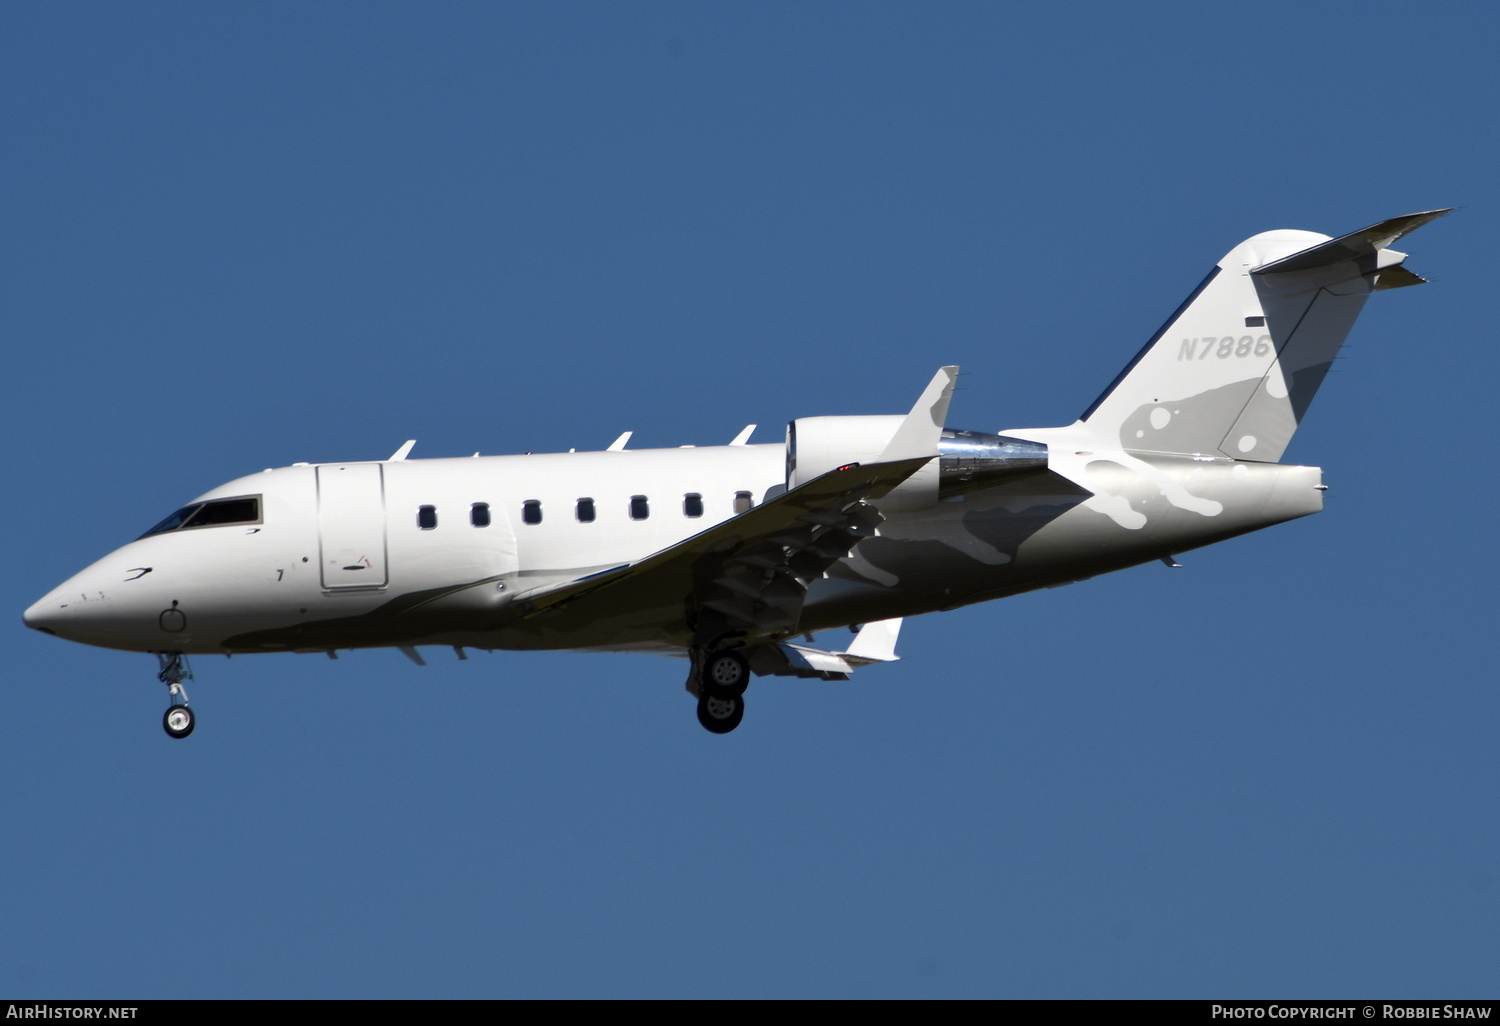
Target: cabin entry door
[(351, 525)]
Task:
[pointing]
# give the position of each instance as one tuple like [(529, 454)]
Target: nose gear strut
[(178, 720)]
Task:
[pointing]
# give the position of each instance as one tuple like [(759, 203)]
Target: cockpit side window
[(244, 509)]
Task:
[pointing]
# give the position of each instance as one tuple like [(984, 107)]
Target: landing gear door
[(351, 525)]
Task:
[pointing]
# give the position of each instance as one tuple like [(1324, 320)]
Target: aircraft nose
[(74, 610), (45, 615), (97, 606)]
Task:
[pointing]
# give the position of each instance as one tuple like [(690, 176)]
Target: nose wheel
[(178, 721)]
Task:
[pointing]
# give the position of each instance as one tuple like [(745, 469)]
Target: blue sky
[(242, 235)]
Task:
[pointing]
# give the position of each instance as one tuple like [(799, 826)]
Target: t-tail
[(1233, 371)]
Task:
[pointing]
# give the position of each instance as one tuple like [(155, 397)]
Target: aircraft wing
[(746, 575)]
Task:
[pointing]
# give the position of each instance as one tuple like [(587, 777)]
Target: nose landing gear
[(178, 720)]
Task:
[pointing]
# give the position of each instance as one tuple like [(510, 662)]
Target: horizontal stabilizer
[(1397, 277), (1362, 245)]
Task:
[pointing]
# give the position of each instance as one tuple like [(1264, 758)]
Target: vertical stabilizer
[(1233, 371)]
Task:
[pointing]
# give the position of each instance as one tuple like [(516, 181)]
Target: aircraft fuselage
[(352, 555)]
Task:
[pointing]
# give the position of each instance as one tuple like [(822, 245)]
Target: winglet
[(876, 642), (919, 433), (618, 445), (743, 438), (404, 451)]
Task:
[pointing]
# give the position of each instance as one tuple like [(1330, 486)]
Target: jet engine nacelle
[(816, 445)]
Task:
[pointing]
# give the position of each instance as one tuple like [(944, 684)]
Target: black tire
[(724, 672), (178, 721), (720, 713)]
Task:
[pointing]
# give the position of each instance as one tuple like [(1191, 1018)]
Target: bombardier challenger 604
[(732, 556)]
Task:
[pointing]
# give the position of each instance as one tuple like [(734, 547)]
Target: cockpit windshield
[(244, 509)]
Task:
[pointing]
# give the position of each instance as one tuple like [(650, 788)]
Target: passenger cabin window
[(743, 502), (426, 517), (531, 511), (479, 514), (692, 505), (244, 509), (585, 511), (640, 509)]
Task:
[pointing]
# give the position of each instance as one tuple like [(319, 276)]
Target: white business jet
[(727, 555)]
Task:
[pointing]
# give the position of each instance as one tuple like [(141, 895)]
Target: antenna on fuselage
[(404, 451), (618, 445)]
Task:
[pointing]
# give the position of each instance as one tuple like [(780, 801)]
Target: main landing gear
[(723, 676), (178, 720)]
